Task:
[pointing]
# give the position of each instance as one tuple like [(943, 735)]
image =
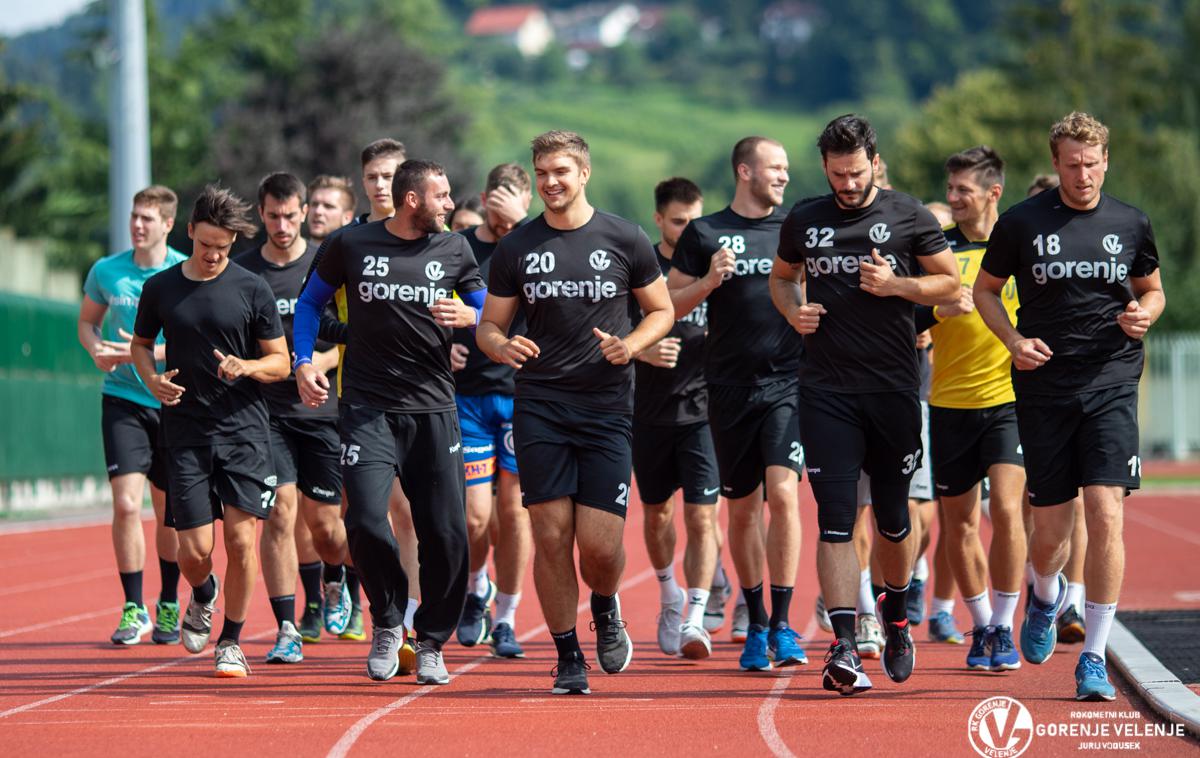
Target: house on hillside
[(525, 27), (788, 23), (593, 26)]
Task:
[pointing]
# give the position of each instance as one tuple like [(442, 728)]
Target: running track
[(65, 690)]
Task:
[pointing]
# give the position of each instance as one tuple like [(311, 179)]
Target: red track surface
[(64, 689)]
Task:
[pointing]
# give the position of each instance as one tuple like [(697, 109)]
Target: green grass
[(1171, 481)]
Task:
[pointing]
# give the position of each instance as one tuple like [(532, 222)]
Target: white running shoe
[(694, 642), (669, 619), (738, 629), (869, 635), (231, 662)]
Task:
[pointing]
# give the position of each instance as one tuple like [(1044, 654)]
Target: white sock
[(409, 611), (980, 608), (506, 608), (866, 600), (921, 570), (668, 588), (1005, 605), (1045, 588), (1074, 597), (697, 601), (479, 582), (941, 605), (1098, 618)]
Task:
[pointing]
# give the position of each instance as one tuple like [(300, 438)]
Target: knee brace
[(889, 500), (836, 509)]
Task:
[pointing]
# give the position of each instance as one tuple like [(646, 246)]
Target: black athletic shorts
[(752, 428), (965, 443), (667, 458), (200, 480), (568, 451), (1072, 441), (306, 453), (131, 439)]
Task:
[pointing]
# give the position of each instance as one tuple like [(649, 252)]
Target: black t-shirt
[(286, 281), (749, 343), (567, 283), (1073, 271), (230, 313), (481, 375), (397, 357), (864, 343), (675, 396)]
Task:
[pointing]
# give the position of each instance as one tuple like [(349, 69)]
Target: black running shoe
[(475, 623), (899, 655), (843, 672), (570, 676), (614, 650)]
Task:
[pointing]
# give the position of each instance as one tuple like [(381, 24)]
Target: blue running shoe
[(504, 642), (1004, 653), (979, 657), (288, 645), (943, 629), (784, 648), (754, 653), (338, 607), (914, 602), (1091, 679), (1038, 630)]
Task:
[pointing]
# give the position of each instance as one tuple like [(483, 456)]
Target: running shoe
[(740, 624), (669, 620), (943, 629), (1071, 628), (1091, 679), (754, 652), (714, 611), (289, 648), (570, 676), (166, 623), (408, 657), (337, 607), (694, 642), (899, 654), (473, 627), (784, 648), (310, 623), (354, 629), (1038, 631), (869, 636), (431, 668), (1004, 652), (915, 602), (843, 671), (979, 657), (230, 661), (821, 613), (504, 642), (383, 662), (197, 620), (614, 649), (134, 624)]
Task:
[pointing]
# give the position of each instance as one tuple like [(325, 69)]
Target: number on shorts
[(539, 263), (911, 461), (350, 454), (1135, 466), (623, 494), (375, 265), (268, 499), (797, 454)]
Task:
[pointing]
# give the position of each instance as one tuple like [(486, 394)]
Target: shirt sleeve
[(789, 250), (1145, 260), (147, 324), (690, 257), (328, 262), (267, 324), (502, 279), (92, 288), (1002, 255), (469, 278), (644, 269), (928, 237)]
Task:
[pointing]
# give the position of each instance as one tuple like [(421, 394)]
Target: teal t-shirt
[(116, 282)]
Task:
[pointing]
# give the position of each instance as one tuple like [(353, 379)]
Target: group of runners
[(395, 400)]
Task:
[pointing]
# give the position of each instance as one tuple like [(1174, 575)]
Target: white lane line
[(59, 622), (766, 711), (342, 747), (48, 583), (1162, 525)]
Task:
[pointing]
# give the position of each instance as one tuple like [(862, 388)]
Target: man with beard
[(396, 414), (750, 366)]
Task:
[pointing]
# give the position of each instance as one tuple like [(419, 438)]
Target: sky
[(19, 16)]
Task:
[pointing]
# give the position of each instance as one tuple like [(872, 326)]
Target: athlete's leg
[(515, 541), (1104, 568), (783, 531), (327, 532), (1051, 538), (1006, 558), (1078, 553), (166, 543), (700, 554), (129, 544), (747, 547), (240, 529), (306, 549), (278, 545), (658, 530), (400, 510), (479, 516), (195, 554), (964, 549), (553, 527)]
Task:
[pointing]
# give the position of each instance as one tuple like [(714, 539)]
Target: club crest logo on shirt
[(879, 234), (1112, 244), (599, 260), (434, 270)]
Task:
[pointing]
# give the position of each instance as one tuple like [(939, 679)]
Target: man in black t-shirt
[(572, 272), (214, 418), (484, 395), (304, 442), (1089, 285), (851, 265), (396, 412), (750, 361)]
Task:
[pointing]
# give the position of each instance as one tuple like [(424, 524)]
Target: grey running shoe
[(714, 612), (231, 662), (384, 659), (614, 650), (570, 676), (431, 669), (135, 624), (738, 628), (669, 621), (197, 620)]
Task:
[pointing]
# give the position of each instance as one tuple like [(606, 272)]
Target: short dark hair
[(745, 148), (508, 174), (1042, 182), (220, 207), (384, 148), (983, 161), (411, 177), (339, 183), (847, 134), (161, 197), (468, 204), (675, 190), (281, 185)]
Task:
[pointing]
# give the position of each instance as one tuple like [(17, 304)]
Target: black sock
[(567, 644), (284, 608), (310, 580), (895, 602), (602, 604), (843, 620), (876, 590), (333, 572), (353, 585), (754, 604), (207, 591), (170, 581), (230, 630), (131, 583), (781, 600)]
